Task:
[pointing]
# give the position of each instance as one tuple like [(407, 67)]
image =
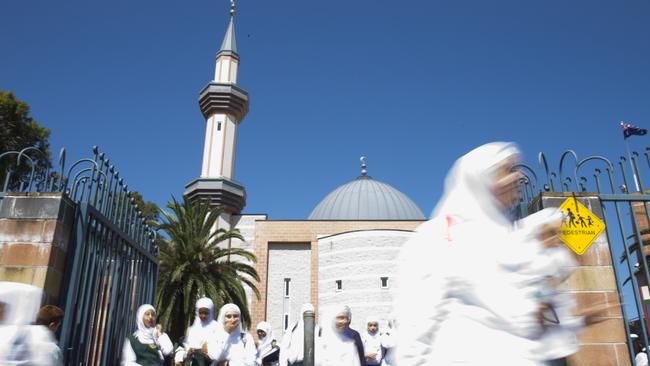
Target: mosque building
[(345, 252)]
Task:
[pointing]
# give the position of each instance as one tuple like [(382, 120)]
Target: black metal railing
[(112, 259)]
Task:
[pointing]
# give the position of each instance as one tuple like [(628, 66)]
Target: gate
[(624, 199), (112, 260)]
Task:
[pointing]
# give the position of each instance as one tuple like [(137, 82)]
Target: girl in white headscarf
[(371, 338), (198, 334), (267, 350), (230, 343), (147, 346), (456, 284), (339, 345)]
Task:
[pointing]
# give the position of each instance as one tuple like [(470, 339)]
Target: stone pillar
[(593, 282), (35, 231)]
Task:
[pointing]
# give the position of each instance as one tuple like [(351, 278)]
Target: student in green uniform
[(147, 346)]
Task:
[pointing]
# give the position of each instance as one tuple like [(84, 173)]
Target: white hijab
[(338, 348), (235, 347), (200, 331), (229, 308), (367, 334), (266, 342), (145, 334), (468, 186)]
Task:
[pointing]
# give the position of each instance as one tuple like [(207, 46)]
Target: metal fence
[(112, 259), (622, 193)]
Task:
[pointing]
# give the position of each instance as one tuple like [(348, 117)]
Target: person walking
[(456, 283)]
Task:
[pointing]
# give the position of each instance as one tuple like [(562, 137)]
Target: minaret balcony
[(223, 98), (218, 191)]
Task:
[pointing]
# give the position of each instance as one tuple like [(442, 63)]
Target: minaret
[(224, 105)]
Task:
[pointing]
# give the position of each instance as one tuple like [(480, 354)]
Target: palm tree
[(192, 265)]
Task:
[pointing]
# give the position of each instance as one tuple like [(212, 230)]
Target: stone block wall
[(360, 259), (35, 231), (301, 232)]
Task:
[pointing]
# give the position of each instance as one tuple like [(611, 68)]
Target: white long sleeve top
[(238, 348)]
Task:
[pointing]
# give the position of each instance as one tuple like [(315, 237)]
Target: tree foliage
[(150, 210), (18, 131), (193, 264)]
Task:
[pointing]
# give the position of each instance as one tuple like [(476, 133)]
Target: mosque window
[(384, 282), (339, 285), (286, 321), (287, 281), (219, 126)]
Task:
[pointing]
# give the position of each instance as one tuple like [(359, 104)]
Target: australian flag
[(629, 130)]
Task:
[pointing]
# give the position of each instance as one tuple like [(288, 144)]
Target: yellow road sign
[(580, 227)]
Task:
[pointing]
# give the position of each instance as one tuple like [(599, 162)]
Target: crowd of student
[(221, 342)]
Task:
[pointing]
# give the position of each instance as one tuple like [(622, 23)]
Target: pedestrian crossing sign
[(580, 227)]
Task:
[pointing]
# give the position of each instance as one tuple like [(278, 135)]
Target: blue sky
[(411, 84)]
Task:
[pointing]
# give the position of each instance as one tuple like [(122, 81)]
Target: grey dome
[(366, 199)]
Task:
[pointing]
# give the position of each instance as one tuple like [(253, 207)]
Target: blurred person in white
[(551, 265), (371, 338), (268, 351), (339, 344), (19, 304), (456, 287), (195, 347), (230, 346), (147, 346), (388, 342), (292, 346)]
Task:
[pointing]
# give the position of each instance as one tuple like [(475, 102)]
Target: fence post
[(308, 318)]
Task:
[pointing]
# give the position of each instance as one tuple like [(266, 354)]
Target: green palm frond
[(198, 261)]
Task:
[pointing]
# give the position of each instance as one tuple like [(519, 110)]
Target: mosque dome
[(366, 199)]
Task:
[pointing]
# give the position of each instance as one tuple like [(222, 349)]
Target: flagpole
[(629, 157)]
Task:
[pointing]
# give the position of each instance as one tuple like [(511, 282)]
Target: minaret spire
[(224, 105), (229, 43)]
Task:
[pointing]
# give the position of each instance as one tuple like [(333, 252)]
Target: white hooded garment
[(372, 342), (237, 347), (267, 344), (145, 335), (389, 341), (334, 347), (455, 292), (200, 331)]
